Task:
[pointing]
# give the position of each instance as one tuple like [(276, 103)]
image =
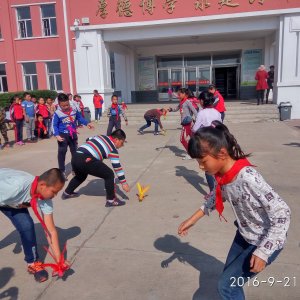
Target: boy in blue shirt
[(64, 128), (29, 113), (20, 190)]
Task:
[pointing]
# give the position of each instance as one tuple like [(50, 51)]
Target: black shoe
[(66, 196)]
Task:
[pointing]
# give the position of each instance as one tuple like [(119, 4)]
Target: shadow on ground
[(96, 187), (192, 177), (63, 234), (209, 267), (292, 144), (11, 293), (177, 151)]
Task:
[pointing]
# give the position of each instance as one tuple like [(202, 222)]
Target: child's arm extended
[(53, 242), (187, 224), (83, 120)]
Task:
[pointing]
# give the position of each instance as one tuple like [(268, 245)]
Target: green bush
[(6, 97)]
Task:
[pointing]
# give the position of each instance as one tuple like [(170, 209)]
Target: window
[(24, 22), (54, 76), (3, 79), (49, 19), (112, 70), (30, 76)]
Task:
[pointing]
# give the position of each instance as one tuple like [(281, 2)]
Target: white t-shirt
[(15, 190), (205, 117)]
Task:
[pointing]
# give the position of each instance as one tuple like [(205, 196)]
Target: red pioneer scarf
[(227, 178), (71, 129), (181, 104), (59, 268), (116, 108)]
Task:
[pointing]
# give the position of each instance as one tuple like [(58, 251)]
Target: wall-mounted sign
[(146, 68), (251, 60)]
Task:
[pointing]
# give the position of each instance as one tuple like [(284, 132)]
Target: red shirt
[(220, 107), (42, 109), (98, 101), (16, 112), (261, 77), (40, 125)]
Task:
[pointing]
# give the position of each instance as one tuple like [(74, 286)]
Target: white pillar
[(92, 67), (288, 72)]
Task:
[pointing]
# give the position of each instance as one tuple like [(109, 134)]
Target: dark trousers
[(237, 269), (39, 133), (260, 96), (98, 113), (113, 123), (23, 223), (222, 116), (19, 130), (84, 165), (149, 120), (63, 148)]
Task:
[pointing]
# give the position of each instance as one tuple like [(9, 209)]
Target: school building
[(144, 49)]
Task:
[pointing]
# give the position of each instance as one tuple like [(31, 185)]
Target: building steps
[(237, 112)]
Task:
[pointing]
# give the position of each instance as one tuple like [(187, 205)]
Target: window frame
[(54, 76), (30, 76), (49, 20), (25, 22)]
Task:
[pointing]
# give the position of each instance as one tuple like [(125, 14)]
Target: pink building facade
[(142, 49)]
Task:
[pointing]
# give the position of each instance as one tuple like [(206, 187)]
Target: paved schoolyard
[(133, 252)]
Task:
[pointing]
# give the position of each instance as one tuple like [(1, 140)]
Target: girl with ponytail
[(262, 217)]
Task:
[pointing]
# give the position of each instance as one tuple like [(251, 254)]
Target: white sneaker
[(186, 157)]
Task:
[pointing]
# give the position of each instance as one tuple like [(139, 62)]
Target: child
[(187, 110), (88, 160), (124, 106), (51, 108), (204, 118), (153, 115), (29, 113), (64, 128), (80, 107), (261, 85), (114, 113), (19, 190), (42, 109), (193, 100), (270, 82), (3, 129), (262, 217), (40, 128), (219, 103), (17, 116), (98, 103)]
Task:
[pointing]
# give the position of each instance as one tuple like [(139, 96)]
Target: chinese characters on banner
[(124, 8), (148, 6), (169, 6), (230, 3), (202, 4), (259, 1), (102, 12)]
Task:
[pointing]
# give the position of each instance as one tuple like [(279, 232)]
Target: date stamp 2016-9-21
[(270, 281)]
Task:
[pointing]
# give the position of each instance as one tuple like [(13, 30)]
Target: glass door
[(191, 79), (204, 78), (163, 84)]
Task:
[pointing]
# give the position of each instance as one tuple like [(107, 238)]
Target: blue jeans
[(237, 267), (30, 128), (149, 124), (23, 222), (98, 113)]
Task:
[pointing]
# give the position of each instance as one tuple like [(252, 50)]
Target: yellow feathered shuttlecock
[(142, 191)]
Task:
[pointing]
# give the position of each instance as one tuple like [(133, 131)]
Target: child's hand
[(126, 187), (257, 264), (90, 126), (45, 132), (184, 227), (59, 138), (26, 119)]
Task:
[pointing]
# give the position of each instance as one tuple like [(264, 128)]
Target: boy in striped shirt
[(88, 160)]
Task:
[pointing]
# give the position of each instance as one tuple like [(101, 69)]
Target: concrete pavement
[(133, 252)]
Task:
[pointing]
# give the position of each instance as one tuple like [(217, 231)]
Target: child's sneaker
[(156, 133), (65, 196), (140, 132), (186, 157), (1, 147), (115, 202), (38, 271)]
